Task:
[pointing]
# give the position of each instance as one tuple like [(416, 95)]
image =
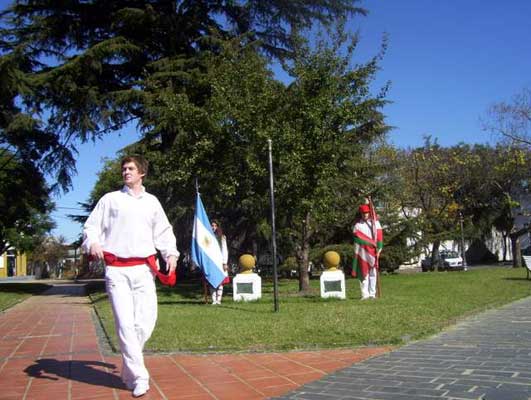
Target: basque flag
[(206, 251)]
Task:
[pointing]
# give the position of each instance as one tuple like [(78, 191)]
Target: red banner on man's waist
[(115, 261)]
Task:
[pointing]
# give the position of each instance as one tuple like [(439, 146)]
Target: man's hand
[(171, 263), (96, 252)]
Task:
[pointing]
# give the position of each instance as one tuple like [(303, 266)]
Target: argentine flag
[(206, 251)]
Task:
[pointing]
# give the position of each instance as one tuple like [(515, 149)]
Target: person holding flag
[(125, 229), (207, 251), (368, 244), (217, 293)]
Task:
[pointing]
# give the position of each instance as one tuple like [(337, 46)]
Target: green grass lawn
[(412, 306), (15, 292)]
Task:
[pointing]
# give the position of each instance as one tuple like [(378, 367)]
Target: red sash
[(114, 261)]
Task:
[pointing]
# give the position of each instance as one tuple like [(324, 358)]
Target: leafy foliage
[(50, 252), (320, 125), (73, 71), (25, 204), (479, 183), (430, 179), (329, 120)]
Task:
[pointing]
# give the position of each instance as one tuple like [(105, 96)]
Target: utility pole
[(462, 241), (273, 227)]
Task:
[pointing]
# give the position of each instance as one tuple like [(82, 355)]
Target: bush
[(289, 264), (392, 257)]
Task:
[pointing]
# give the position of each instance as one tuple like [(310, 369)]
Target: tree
[(25, 204), (321, 125), (328, 122), (511, 120), (22, 137), (221, 143), (402, 242), (431, 179), (50, 254), (77, 70), (506, 171), (480, 182)]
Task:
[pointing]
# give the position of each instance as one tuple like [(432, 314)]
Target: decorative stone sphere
[(247, 263), (331, 260)]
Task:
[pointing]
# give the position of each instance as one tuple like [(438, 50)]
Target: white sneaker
[(141, 389)]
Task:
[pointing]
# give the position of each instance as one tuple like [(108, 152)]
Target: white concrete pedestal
[(333, 284), (246, 287)]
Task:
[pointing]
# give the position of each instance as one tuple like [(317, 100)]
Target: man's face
[(365, 216), (214, 226), (131, 175)]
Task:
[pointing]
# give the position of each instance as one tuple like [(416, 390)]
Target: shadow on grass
[(227, 306), (183, 302), (523, 278)]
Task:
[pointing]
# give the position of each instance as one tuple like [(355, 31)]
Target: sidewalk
[(486, 357), (49, 350)]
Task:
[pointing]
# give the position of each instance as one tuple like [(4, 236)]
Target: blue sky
[(447, 61)]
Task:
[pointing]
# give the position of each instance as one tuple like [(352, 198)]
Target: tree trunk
[(515, 246), (303, 255), (505, 236), (435, 255)]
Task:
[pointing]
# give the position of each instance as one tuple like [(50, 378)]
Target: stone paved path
[(484, 357), (49, 350)]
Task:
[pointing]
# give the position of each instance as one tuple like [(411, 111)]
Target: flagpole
[(273, 227), (205, 290), (375, 236)]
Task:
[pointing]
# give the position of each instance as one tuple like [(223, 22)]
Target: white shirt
[(129, 226)]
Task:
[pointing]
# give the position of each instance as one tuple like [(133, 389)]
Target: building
[(13, 263)]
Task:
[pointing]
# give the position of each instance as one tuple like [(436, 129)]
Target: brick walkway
[(485, 357), (49, 350)]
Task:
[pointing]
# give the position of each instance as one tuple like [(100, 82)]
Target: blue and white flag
[(206, 251)]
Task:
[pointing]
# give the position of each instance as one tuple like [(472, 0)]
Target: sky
[(447, 61)]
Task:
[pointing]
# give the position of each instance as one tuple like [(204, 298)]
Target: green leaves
[(24, 202)]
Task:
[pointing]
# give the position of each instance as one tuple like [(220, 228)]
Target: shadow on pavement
[(85, 371), (66, 289)]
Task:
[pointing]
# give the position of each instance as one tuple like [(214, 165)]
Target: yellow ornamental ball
[(331, 259), (246, 263)]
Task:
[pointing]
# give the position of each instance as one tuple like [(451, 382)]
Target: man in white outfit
[(125, 229)]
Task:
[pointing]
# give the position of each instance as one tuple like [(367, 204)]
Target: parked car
[(446, 261)]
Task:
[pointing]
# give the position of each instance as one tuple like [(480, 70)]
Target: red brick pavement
[(49, 350)]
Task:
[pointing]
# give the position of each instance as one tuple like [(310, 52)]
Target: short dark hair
[(141, 163)]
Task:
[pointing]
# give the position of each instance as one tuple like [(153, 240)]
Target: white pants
[(368, 285), (217, 294), (133, 298)]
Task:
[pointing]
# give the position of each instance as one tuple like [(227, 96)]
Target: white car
[(447, 260), (451, 260)]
